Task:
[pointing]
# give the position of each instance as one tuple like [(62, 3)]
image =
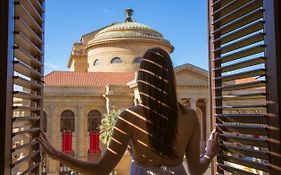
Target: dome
[(128, 30), (127, 33)]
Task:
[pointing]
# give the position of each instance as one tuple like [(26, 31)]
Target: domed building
[(115, 48), (102, 75)]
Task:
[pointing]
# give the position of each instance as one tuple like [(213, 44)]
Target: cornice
[(193, 69), (106, 42)]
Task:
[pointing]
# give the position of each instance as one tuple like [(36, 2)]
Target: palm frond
[(107, 124)]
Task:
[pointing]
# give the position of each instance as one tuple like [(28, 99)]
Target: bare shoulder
[(133, 111), (190, 115), (136, 108), (127, 113)]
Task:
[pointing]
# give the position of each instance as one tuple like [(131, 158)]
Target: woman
[(160, 130)]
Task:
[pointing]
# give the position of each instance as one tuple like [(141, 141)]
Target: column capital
[(193, 103), (80, 108), (193, 99), (52, 107)]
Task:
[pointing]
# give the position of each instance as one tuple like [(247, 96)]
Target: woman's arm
[(115, 150), (197, 165)]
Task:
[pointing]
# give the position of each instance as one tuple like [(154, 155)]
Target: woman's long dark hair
[(156, 84)]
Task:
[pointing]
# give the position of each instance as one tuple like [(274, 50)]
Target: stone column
[(135, 102), (81, 131), (107, 103), (53, 135), (193, 103)]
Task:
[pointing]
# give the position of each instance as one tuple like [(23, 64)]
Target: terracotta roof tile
[(245, 80), (67, 78)]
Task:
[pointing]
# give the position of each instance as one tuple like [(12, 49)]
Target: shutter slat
[(26, 118), (243, 118), (26, 57), (22, 41), (248, 85), (234, 170), (233, 97), (21, 26), (241, 43), (26, 83), (29, 144), (27, 131), (241, 65), (21, 11), (241, 75), (27, 71), (38, 6), (243, 53), (26, 108), (229, 7), (241, 107), (242, 10), (26, 158), (240, 22), (246, 151), (25, 95), (28, 171), (220, 2), (243, 129), (260, 142), (32, 11), (258, 25), (244, 162)]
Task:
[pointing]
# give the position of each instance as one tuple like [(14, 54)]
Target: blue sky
[(183, 23)]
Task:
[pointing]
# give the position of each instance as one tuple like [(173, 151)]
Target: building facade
[(102, 75)]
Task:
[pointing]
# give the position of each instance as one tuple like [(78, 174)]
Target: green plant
[(107, 124), (106, 128)]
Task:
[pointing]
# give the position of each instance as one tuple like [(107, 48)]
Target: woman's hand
[(48, 148), (213, 144)]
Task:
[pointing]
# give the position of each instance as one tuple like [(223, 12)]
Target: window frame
[(112, 61), (97, 61), (135, 61), (94, 121), (67, 118)]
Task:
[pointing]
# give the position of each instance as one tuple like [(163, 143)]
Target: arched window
[(97, 62), (94, 120), (137, 60), (116, 60), (67, 121), (44, 121)]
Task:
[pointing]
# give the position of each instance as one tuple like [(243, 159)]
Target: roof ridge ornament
[(129, 13)]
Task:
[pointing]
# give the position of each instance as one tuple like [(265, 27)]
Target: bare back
[(130, 129), (144, 154)]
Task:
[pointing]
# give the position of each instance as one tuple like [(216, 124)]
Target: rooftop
[(65, 78)]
